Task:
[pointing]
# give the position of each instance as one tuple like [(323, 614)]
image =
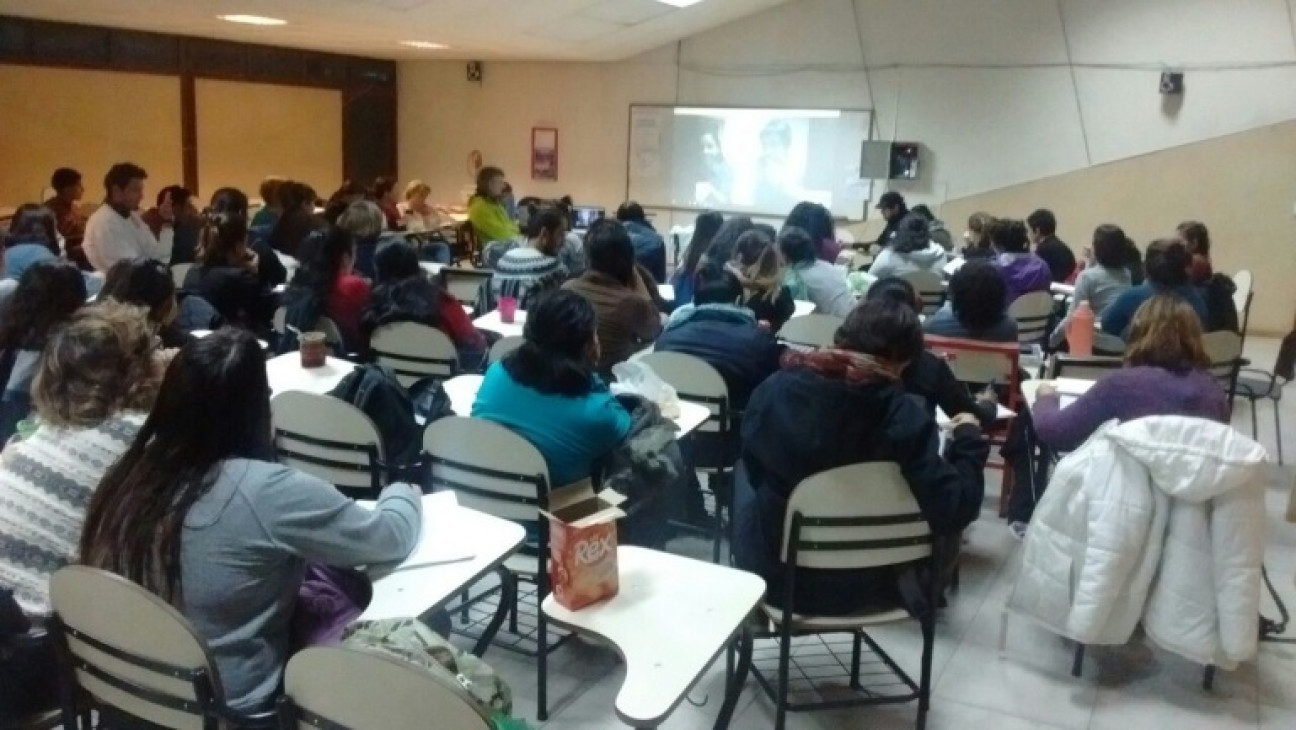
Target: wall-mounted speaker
[(475, 72), (904, 160), (1172, 83)]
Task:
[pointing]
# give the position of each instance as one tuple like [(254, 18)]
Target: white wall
[(1000, 92)]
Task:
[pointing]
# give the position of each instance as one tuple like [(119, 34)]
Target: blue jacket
[(1116, 320), (726, 336), (650, 249)]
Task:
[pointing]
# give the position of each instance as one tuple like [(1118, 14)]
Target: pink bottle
[(1080, 330)]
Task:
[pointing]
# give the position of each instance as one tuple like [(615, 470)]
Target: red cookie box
[(583, 544)]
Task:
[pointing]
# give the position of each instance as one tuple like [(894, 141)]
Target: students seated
[(32, 238), (910, 249), (1165, 374), (721, 250), (705, 227), (403, 293), (527, 271), (650, 249), (418, 215), (271, 204), (936, 229), (817, 222), (364, 220), (344, 197), (572, 253), (94, 385), (1043, 234), (65, 205), (759, 267), (486, 210), (227, 203), (1166, 266), (853, 395), (298, 219), (976, 239), (147, 283), (1216, 290), (1023, 272), (384, 196), (975, 308), (929, 377), (810, 278), (326, 276), (621, 293), (196, 513), (115, 231), (548, 390), (46, 297), (185, 221), (227, 275), (1103, 280)]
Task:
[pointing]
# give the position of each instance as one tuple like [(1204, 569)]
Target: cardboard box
[(583, 544)]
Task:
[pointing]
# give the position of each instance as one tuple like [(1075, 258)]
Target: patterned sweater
[(45, 486)]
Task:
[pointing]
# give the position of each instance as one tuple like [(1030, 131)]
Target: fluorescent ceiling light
[(680, 3), (252, 20), (425, 45), (688, 111)]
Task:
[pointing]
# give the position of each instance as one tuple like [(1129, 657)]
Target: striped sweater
[(524, 272), (45, 486)]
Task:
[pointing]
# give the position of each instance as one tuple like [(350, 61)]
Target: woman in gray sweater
[(1100, 283), (195, 513)]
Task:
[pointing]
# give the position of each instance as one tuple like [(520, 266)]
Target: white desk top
[(286, 373), (491, 321), (803, 308), (667, 292), (431, 268), (1067, 290), (456, 548), (462, 390), (1068, 388), (671, 619)]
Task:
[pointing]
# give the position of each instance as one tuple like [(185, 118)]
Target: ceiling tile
[(627, 12)]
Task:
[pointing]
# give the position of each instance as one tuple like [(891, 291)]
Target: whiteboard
[(759, 161)]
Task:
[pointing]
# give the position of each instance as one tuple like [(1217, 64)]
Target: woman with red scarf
[(846, 405)]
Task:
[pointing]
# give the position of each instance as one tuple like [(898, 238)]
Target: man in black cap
[(894, 210)]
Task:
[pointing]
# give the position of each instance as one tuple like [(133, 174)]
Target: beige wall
[(89, 120), (248, 131), (1241, 186)]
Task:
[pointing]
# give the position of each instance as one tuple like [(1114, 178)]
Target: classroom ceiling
[(586, 30)]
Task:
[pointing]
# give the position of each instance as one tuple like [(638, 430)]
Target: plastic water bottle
[(1080, 330)]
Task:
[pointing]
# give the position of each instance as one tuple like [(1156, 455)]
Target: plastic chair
[(179, 272), (465, 284), (414, 351), (341, 688), (978, 363), (503, 347), (466, 245), (1242, 297), (854, 517), (128, 655), (328, 438), (1257, 385), (811, 330), (493, 470), (1224, 349), (1032, 312), (930, 287), (695, 381)]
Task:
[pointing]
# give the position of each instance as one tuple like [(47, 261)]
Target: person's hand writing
[(1046, 389), (964, 419)]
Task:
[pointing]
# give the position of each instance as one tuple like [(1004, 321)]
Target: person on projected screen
[(716, 185), (774, 188)]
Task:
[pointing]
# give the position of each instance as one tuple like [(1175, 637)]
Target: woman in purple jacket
[(1023, 272)]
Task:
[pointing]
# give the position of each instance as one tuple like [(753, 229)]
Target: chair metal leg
[(855, 660), (542, 659), (513, 607), (1255, 429), (924, 681), (463, 611), (1208, 678), (735, 682), (1077, 665), (1278, 429), (785, 659), (507, 598)]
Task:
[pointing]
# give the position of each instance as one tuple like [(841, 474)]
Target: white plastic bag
[(637, 378)]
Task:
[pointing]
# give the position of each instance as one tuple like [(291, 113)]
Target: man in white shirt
[(116, 231)]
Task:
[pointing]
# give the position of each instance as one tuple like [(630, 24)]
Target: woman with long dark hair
[(48, 293), (759, 266), (549, 392), (621, 292), (196, 513), (326, 274), (227, 274), (226, 205), (817, 221), (486, 208), (147, 283), (704, 230)]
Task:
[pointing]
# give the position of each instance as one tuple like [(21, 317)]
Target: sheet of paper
[(442, 540)]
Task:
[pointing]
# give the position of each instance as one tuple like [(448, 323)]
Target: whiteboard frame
[(872, 121)]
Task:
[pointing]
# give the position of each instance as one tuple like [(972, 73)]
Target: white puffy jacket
[(1160, 519)]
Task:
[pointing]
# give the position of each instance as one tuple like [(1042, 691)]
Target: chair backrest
[(1242, 295), (852, 517), (1224, 349), (490, 468), (1032, 312), (1083, 368), (464, 284), (695, 381), (503, 347), (332, 333), (341, 688), (414, 351), (328, 438), (977, 363), (815, 330), (930, 287), (129, 650), (179, 272)]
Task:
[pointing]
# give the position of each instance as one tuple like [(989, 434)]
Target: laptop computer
[(583, 216)]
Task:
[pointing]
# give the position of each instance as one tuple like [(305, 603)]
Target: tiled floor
[(1028, 686)]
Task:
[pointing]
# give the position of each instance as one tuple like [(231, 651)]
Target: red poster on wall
[(544, 153)]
